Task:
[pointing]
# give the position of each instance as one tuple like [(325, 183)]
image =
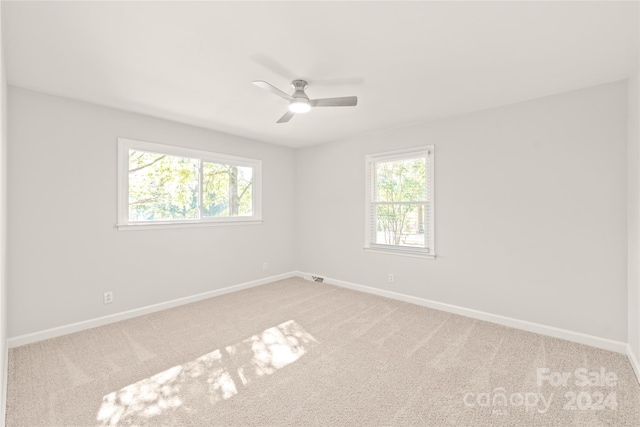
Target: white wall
[(63, 249), (633, 216), (3, 230), (530, 212)]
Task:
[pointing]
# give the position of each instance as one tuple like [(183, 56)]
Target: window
[(399, 202), (162, 185)]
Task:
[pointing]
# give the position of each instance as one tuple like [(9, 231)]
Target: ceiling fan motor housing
[(299, 85)]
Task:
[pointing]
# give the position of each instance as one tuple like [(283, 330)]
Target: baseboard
[(5, 380), (590, 340), (635, 362), (112, 318)]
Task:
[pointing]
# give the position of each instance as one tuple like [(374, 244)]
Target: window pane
[(215, 183), (227, 190), (400, 180), (400, 225), (245, 191), (162, 187)]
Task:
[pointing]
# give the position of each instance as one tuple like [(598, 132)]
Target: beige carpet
[(300, 353)]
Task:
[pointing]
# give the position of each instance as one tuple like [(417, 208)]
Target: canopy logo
[(575, 400)]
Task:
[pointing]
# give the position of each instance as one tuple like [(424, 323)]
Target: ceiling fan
[(300, 103)]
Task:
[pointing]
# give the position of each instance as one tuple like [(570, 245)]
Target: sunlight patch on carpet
[(210, 378)]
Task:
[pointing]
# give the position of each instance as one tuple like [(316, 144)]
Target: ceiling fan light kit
[(299, 106), (299, 102)]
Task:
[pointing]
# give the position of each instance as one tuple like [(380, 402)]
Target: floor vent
[(317, 279)]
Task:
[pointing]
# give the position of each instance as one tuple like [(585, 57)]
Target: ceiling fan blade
[(271, 88), (287, 116), (345, 101)]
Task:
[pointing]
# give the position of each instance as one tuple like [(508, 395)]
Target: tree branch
[(244, 191), (148, 164), (137, 202)]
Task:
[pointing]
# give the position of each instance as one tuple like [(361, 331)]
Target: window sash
[(381, 235), (155, 194), (239, 176)]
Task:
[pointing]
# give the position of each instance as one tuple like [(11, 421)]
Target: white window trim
[(369, 246), (125, 144)]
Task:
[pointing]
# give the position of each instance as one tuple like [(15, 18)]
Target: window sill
[(402, 252), (184, 224)]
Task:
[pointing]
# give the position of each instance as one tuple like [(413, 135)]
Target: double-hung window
[(163, 185), (399, 212)]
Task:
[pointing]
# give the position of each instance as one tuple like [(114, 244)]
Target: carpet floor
[(296, 353)]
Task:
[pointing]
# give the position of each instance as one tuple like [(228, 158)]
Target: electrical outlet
[(108, 297), (265, 266), (391, 278)]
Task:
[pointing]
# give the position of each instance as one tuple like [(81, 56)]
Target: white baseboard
[(593, 341), (635, 362), (5, 380), (112, 318)]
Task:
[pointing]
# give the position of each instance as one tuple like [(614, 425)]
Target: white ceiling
[(194, 62)]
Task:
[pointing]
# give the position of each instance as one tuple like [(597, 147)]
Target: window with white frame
[(399, 202), (165, 185)]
